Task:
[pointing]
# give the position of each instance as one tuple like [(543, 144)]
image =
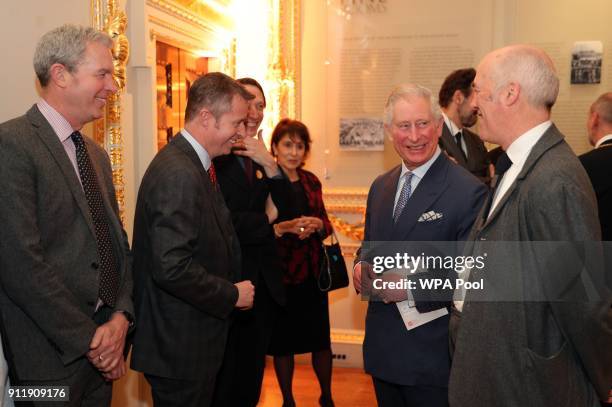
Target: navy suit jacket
[(419, 356)]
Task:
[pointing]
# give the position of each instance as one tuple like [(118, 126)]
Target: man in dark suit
[(598, 162), (465, 148), (250, 179), (598, 165), (426, 198), (186, 254), (65, 268), (546, 342)]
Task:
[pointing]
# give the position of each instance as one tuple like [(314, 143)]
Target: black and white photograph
[(363, 134), (586, 62)]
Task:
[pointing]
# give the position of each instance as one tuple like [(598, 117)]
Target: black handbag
[(333, 274)]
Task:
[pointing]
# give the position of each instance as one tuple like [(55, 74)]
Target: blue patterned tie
[(404, 196)]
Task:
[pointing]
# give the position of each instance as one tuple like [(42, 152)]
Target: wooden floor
[(350, 388)]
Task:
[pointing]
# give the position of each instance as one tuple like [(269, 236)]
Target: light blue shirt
[(199, 149), (418, 174)]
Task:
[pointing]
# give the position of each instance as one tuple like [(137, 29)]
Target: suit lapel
[(223, 222), (427, 192), (385, 212), (549, 139), (450, 145), (50, 139)]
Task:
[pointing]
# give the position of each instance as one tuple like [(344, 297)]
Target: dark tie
[(212, 174), (501, 166), (248, 168), (458, 140), (109, 271)]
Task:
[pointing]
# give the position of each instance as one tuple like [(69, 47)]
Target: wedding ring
[(100, 358), (301, 229)]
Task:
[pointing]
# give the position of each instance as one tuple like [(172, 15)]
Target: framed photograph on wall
[(586, 62)]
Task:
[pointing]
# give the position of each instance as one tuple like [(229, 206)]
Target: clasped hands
[(363, 281), (107, 345), (302, 227)]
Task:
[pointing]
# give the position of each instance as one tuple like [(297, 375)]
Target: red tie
[(212, 175), (248, 169)]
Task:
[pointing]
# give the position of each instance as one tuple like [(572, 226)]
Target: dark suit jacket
[(186, 257), (49, 272), (419, 356), (598, 165), (247, 205), (477, 162), (554, 347)]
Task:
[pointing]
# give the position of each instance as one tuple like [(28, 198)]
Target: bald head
[(600, 118), (530, 68)]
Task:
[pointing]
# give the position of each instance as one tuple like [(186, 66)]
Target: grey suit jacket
[(186, 258), (555, 348), (477, 162), (49, 273)]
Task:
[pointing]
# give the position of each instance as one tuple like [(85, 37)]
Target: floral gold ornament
[(107, 131)]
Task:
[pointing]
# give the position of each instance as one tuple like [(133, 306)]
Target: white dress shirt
[(603, 140), (518, 152), (199, 149), (417, 175)]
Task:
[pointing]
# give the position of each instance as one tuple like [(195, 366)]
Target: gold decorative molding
[(284, 67), (197, 13), (340, 202), (107, 131)]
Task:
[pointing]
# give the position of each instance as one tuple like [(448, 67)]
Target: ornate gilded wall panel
[(107, 16)]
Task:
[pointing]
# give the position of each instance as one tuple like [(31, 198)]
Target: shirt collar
[(603, 140), (420, 171), (58, 123), (199, 149), (519, 150), (454, 129)]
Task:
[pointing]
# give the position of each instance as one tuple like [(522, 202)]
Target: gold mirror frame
[(108, 17)]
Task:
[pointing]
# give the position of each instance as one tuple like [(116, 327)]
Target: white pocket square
[(430, 216)]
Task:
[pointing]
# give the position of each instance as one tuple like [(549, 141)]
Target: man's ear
[(205, 117), (59, 75), (458, 97), (510, 95)]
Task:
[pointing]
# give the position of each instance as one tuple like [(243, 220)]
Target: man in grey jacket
[(545, 342)]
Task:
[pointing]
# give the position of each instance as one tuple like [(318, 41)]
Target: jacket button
[(94, 265)]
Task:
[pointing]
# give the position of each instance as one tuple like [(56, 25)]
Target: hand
[(314, 222), (256, 150), (390, 295), (106, 346), (271, 210), (116, 373), (362, 278), (246, 294), (298, 226)]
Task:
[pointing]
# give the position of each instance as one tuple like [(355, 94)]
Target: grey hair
[(603, 106), (406, 91), (65, 45), (532, 69)]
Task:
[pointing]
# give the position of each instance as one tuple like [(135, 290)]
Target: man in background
[(250, 180), (598, 162), (425, 198), (598, 165), (65, 267), (465, 148), (186, 253), (548, 344)]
